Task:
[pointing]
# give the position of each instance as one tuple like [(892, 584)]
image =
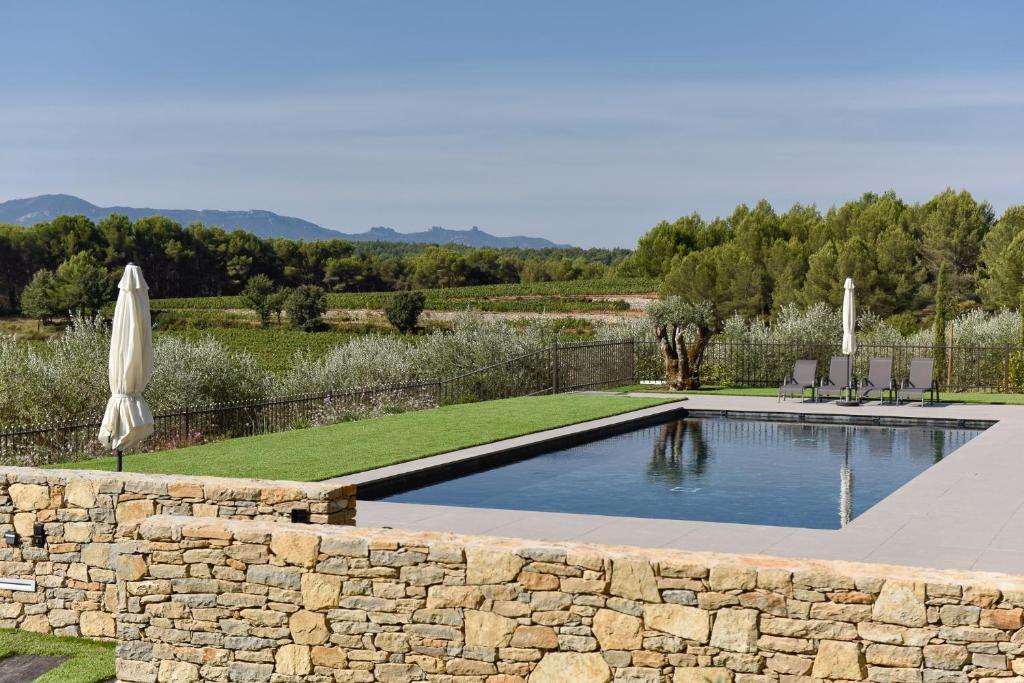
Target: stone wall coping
[(34, 475), (171, 527)]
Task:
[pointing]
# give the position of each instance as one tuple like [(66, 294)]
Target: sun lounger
[(879, 380), (838, 377), (801, 380), (921, 382)]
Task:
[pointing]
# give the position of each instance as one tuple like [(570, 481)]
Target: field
[(556, 297), (336, 450)]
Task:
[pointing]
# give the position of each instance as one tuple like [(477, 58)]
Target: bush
[(257, 296), (306, 305), (403, 310)]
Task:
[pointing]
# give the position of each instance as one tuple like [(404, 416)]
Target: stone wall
[(235, 601), (84, 513)]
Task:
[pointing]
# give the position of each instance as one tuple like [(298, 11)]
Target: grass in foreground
[(336, 450), (946, 396), (90, 661)]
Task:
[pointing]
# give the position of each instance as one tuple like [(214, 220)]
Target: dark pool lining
[(432, 474)]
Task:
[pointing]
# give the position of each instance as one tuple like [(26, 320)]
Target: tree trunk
[(682, 359)]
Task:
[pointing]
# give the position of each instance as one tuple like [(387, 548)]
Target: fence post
[(1007, 351), (555, 370)]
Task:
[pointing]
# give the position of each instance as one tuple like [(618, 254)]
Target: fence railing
[(763, 364), (554, 369)]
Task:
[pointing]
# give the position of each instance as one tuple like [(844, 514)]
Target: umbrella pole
[(120, 460)]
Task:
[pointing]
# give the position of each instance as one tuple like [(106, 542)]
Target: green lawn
[(90, 661), (948, 397), (324, 452)]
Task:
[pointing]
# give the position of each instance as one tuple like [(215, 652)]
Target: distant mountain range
[(46, 207)]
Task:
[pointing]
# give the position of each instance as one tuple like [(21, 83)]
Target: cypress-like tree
[(939, 344)]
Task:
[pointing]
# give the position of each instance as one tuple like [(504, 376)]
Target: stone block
[(702, 674), (298, 548), (690, 623), (633, 579), (29, 496), (308, 628), (902, 603), (487, 629), (839, 660), (489, 566), (618, 631), (320, 591), (735, 630), (561, 667), (293, 660)]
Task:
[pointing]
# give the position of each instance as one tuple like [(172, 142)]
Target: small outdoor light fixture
[(11, 537), (300, 516), (38, 535)]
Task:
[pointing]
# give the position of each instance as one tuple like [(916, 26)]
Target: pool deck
[(965, 512)]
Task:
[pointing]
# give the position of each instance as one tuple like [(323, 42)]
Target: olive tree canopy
[(683, 330)]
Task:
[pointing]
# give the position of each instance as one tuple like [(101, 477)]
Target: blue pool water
[(712, 469)]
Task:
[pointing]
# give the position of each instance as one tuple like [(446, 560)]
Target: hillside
[(265, 224)]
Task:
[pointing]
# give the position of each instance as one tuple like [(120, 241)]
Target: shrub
[(257, 296), (403, 310), (306, 305)]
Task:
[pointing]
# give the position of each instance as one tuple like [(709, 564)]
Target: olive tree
[(683, 330)]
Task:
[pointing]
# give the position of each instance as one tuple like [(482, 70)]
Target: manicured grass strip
[(90, 661), (947, 397), (324, 452)]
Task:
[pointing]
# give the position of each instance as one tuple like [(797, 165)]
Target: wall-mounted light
[(11, 537), (38, 535), (300, 516)]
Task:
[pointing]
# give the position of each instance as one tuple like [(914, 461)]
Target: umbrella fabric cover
[(128, 420), (849, 319)]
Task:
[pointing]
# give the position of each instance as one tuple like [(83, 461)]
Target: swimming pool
[(713, 468)]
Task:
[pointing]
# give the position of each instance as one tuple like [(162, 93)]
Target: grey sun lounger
[(838, 377), (879, 380), (921, 382), (801, 379)]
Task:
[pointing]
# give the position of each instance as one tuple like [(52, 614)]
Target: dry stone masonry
[(219, 600), (83, 514)]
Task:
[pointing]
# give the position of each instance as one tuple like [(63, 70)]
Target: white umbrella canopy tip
[(128, 420)]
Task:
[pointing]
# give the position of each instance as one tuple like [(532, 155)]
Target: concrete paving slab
[(965, 512)]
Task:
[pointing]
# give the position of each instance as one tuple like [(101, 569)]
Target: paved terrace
[(966, 512)]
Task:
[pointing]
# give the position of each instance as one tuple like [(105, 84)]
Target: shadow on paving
[(25, 668)]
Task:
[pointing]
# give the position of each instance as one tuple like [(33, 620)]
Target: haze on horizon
[(582, 122)]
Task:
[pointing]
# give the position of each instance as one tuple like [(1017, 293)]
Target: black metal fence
[(752, 364), (555, 369)]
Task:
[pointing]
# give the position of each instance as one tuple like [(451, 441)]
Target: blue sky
[(584, 122)]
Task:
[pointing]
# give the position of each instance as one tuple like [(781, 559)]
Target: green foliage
[(939, 341), (80, 284), (1002, 252), (404, 309), (257, 296), (755, 261), (207, 261), (306, 306), (1017, 360), (84, 284), (677, 311), (41, 298)]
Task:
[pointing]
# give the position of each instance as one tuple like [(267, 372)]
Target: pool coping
[(964, 512)]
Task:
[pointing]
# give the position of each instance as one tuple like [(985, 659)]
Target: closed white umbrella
[(849, 335), (128, 420)]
